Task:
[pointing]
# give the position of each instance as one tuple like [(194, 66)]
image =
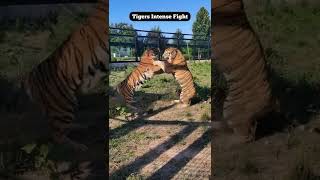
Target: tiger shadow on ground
[(24, 124), (176, 163), (299, 102)]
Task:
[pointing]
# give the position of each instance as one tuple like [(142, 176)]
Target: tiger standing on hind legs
[(239, 56), (176, 64), (144, 71), (77, 65)]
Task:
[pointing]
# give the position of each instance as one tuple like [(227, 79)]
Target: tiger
[(77, 65), (176, 64), (144, 71), (239, 56)]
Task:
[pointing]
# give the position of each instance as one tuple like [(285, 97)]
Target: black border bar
[(34, 2)]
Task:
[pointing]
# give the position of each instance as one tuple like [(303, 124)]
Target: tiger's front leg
[(161, 64)]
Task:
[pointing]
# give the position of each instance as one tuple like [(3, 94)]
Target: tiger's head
[(146, 62), (173, 56)]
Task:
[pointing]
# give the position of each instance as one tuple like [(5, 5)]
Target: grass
[(302, 168), (289, 39), (123, 149), (164, 86), (25, 43)]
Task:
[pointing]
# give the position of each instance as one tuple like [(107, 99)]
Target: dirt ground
[(175, 145), (291, 154)]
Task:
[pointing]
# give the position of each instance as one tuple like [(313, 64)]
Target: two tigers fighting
[(174, 63)]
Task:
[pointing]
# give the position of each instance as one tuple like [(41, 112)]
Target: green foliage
[(118, 111), (205, 117), (22, 24), (153, 38), (28, 148), (201, 32), (187, 53), (178, 37), (201, 26), (126, 29), (39, 155), (30, 157), (288, 36), (24, 43), (164, 86)]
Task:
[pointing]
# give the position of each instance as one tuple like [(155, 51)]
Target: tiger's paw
[(159, 63), (176, 101)]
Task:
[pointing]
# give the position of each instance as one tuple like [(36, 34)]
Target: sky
[(120, 9)]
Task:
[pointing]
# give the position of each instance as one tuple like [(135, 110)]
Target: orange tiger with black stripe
[(177, 65), (145, 70), (78, 64), (239, 56)]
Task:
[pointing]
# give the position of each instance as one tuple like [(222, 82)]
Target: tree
[(123, 29), (178, 38), (201, 28), (152, 38)]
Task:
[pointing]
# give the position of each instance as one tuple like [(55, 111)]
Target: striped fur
[(78, 64), (177, 65), (239, 56), (145, 70)]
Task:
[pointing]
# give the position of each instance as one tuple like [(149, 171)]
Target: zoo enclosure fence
[(200, 46)]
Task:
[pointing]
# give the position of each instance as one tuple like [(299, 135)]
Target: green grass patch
[(164, 86)]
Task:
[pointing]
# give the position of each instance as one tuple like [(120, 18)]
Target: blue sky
[(120, 9)]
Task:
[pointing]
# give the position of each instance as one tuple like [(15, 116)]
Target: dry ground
[(170, 143), (291, 154), (166, 142)]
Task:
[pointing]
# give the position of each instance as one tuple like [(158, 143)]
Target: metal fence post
[(209, 55), (190, 43), (159, 39), (110, 59), (136, 45), (178, 44), (195, 48)]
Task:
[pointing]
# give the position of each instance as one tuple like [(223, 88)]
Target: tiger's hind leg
[(183, 104)]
